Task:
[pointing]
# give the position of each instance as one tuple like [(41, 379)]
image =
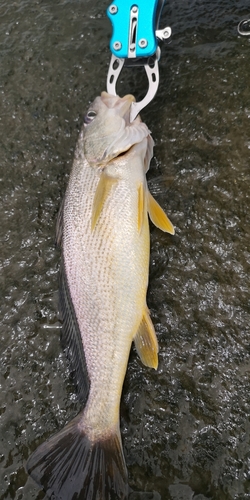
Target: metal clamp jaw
[(244, 27), (134, 42)]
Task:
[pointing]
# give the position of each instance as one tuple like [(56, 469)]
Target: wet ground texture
[(186, 427)]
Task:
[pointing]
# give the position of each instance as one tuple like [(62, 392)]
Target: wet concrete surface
[(186, 427)]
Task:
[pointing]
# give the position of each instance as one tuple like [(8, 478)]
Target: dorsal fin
[(59, 225), (102, 192), (146, 342), (71, 338), (158, 216)]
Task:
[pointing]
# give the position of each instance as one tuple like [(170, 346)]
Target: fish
[(103, 231)]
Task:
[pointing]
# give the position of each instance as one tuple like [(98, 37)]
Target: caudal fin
[(70, 467)]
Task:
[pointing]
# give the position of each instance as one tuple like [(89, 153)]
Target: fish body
[(103, 230)]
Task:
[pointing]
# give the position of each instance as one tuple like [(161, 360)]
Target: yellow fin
[(146, 342), (102, 191), (140, 192), (158, 216)]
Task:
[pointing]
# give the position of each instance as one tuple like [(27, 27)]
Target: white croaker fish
[(104, 233)]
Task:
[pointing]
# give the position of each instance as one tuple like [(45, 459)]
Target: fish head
[(108, 131)]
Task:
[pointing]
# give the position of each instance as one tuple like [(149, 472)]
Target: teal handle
[(120, 13)]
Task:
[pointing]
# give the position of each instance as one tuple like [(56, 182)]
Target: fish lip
[(120, 104)]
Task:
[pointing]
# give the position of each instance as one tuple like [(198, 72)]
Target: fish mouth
[(116, 155), (122, 105)]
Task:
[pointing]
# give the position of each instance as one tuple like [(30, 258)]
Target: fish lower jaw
[(101, 163)]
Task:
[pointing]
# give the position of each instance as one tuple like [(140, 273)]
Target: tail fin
[(70, 467)]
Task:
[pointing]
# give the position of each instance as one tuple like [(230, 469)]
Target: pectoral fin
[(158, 216), (146, 342), (102, 192)]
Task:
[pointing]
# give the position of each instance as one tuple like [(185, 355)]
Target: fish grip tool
[(134, 43)]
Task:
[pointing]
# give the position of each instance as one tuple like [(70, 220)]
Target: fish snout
[(121, 105)]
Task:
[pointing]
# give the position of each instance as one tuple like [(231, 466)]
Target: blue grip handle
[(120, 13)]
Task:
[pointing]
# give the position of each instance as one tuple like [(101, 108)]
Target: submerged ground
[(186, 428)]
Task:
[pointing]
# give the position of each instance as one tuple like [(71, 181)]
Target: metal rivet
[(167, 33), (117, 45), (113, 9), (143, 43), (134, 9)]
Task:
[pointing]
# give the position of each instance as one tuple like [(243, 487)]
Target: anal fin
[(158, 216), (146, 342)]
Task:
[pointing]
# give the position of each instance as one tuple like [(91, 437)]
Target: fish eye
[(89, 117)]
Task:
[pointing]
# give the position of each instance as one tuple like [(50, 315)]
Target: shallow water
[(186, 427)]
